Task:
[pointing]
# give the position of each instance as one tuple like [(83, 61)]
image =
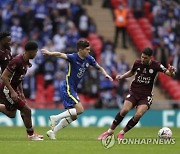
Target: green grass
[(82, 141)]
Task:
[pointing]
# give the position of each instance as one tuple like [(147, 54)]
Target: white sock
[(67, 113), (110, 130), (122, 132), (62, 124)]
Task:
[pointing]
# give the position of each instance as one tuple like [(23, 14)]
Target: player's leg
[(71, 112), (26, 117), (120, 115), (127, 106), (26, 113), (79, 108), (141, 109), (10, 114), (142, 106), (71, 103), (65, 121), (70, 98), (5, 106), (73, 106)]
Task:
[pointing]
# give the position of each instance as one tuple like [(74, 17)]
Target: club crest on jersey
[(151, 71), (87, 64)]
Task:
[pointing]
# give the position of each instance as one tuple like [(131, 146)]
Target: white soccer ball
[(165, 133)]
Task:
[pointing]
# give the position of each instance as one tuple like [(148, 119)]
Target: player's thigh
[(140, 110), (79, 108), (128, 105), (10, 114)]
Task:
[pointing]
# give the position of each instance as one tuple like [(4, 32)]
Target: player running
[(78, 64), (11, 92), (145, 71)]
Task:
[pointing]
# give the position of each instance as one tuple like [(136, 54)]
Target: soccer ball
[(165, 133)]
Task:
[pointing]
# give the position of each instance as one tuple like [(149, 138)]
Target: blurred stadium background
[(58, 24)]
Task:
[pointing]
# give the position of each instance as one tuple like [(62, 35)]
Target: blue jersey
[(76, 68)]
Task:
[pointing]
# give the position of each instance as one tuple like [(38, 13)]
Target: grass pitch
[(82, 140)]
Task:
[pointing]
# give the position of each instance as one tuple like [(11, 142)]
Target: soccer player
[(5, 57), (78, 64), (145, 71), (12, 78), (5, 50)]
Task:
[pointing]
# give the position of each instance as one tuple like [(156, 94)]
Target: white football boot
[(51, 135)]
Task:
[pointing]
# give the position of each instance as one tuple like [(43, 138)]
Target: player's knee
[(11, 115), (124, 112), (26, 111), (137, 116), (74, 117), (80, 111)]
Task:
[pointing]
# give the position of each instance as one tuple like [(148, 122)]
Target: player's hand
[(109, 77), (45, 52), (171, 68), (21, 95), (118, 77), (14, 96)]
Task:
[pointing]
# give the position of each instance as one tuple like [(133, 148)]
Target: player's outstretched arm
[(125, 75), (104, 73), (56, 54), (170, 71)]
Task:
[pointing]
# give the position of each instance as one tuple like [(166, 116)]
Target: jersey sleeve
[(134, 67), (93, 62), (12, 66), (70, 57)]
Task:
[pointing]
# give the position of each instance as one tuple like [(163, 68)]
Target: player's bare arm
[(21, 93), (170, 71), (103, 72), (125, 75), (56, 54), (6, 76)]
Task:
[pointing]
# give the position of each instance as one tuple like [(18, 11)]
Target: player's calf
[(11, 114), (131, 123), (74, 117)]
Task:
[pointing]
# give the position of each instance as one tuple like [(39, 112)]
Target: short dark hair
[(4, 34), (82, 44), (31, 45), (147, 51)]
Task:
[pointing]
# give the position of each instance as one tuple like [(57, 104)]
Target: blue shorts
[(68, 95)]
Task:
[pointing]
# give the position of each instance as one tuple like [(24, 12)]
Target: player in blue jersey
[(78, 64)]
